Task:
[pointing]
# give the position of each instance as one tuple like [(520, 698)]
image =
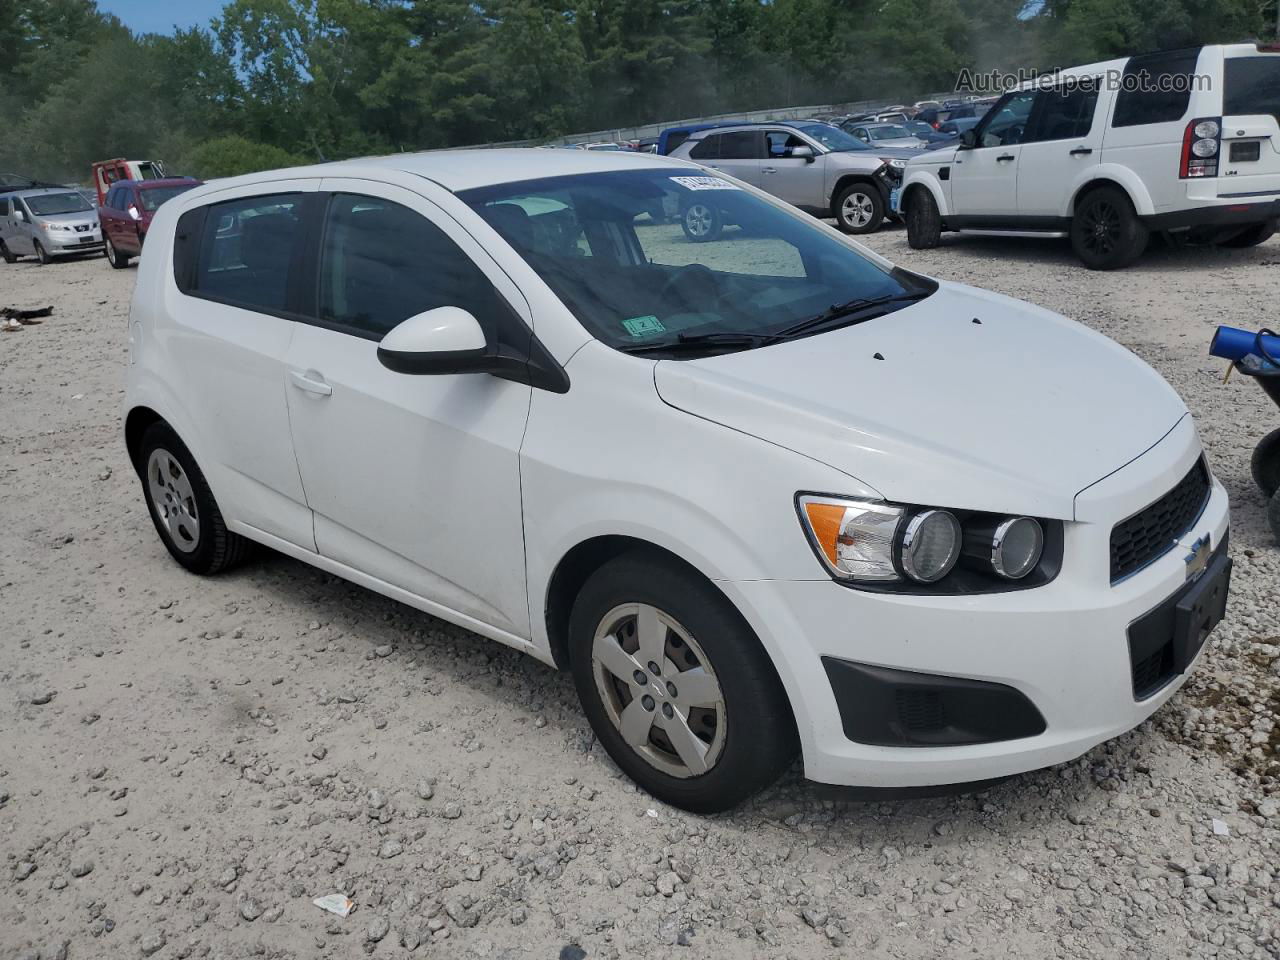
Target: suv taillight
[(1201, 147)]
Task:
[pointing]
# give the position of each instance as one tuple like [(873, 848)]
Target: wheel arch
[(1121, 179), (136, 423), (920, 180), (848, 180)]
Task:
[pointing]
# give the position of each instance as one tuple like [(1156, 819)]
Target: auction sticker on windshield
[(643, 326), (704, 183)]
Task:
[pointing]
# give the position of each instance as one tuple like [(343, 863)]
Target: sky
[(160, 16)]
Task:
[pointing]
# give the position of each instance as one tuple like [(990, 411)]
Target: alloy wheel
[(699, 220), (173, 499), (857, 209), (1101, 227), (659, 690)]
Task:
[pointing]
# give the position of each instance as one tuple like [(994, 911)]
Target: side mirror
[(443, 340), (19, 215), (804, 152), (969, 139)]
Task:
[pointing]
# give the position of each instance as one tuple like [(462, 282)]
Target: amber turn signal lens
[(825, 520)]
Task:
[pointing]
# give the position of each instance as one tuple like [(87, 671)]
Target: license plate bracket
[(1199, 610)]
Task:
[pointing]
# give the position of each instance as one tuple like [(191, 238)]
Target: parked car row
[(48, 221)]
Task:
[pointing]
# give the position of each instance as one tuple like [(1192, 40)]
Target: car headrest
[(512, 222)]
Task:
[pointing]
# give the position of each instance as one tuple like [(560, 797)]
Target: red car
[(127, 210)]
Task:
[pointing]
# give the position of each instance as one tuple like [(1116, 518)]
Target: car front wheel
[(42, 254), (859, 208), (676, 686), (924, 222), (1265, 464), (114, 257), (182, 506)]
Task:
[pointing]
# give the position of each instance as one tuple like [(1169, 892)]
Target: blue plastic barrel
[(1231, 343)]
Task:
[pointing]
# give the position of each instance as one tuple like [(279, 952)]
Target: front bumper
[(1063, 646), (60, 242)]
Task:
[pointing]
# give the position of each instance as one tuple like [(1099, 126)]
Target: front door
[(414, 480), (984, 180), (798, 180)]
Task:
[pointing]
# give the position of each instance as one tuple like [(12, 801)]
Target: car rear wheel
[(1251, 236), (859, 208), (924, 222), (182, 506), (114, 257), (9, 255), (676, 686), (701, 222), (1265, 464), (1106, 233), (41, 253)]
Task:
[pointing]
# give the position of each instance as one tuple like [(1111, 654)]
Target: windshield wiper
[(842, 311), (690, 342)]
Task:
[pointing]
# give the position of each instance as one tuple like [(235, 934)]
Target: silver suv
[(815, 166), (47, 222)]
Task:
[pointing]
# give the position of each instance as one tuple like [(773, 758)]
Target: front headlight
[(897, 547), (897, 164)]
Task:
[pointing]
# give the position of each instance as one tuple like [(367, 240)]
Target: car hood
[(898, 142), (1013, 414), (79, 217)]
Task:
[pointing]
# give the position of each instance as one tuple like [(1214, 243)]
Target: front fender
[(926, 180)]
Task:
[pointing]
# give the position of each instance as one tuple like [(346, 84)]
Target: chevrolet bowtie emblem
[(1198, 558)]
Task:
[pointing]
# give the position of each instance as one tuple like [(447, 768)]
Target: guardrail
[(640, 132)]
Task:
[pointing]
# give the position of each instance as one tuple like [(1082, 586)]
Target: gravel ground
[(188, 763)]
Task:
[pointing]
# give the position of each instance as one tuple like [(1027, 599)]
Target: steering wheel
[(695, 284)]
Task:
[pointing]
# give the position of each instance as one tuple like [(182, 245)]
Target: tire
[(859, 208), (173, 487), (742, 732), (701, 222), (1251, 236), (9, 255), (1273, 515), (114, 257), (1265, 464), (1106, 233), (42, 254), (924, 222)]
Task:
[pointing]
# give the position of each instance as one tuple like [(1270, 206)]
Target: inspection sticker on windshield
[(705, 183), (643, 326)]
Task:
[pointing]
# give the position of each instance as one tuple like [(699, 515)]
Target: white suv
[(1186, 142), (763, 494)]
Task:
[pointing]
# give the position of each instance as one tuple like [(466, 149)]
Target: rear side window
[(382, 263), (4, 206), (1252, 87), (246, 248), (1156, 88), (747, 145), (708, 148), (1065, 114)]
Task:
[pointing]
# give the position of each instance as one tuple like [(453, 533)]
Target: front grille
[(1151, 533)]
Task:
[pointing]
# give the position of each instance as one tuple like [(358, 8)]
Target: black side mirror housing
[(969, 139)]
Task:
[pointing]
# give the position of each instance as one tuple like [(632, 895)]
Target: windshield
[(52, 204), (644, 257), (888, 131), (152, 197), (833, 138)]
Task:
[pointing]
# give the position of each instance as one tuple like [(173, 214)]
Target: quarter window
[(246, 250), (1157, 88), (382, 263)]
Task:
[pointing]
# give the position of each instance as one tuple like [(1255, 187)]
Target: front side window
[(1007, 125), (635, 280), (782, 143), (53, 204), (4, 206), (382, 263), (246, 249)]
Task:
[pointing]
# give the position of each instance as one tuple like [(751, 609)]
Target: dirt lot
[(187, 763)]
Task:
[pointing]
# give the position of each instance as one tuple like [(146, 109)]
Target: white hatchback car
[(765, 493)]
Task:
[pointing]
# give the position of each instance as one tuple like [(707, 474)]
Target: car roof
[(40, 191), (162, 182), (458, 170)]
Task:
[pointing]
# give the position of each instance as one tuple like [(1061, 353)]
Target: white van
[(1186, 141)]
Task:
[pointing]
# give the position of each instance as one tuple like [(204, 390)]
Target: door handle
[(1081, 152), (768, 169), (310, 384), (1005, 158)]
